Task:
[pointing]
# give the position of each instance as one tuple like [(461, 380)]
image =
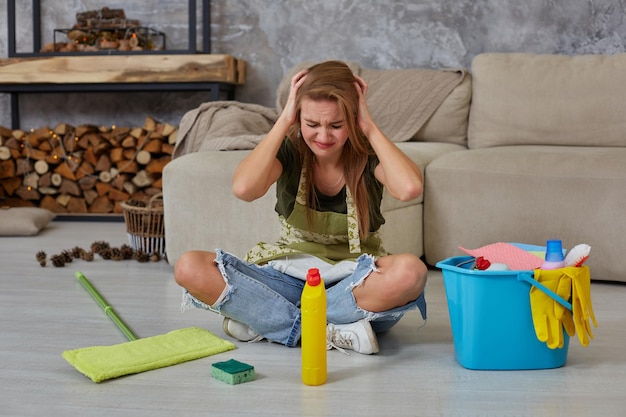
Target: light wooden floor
[(44, 311)]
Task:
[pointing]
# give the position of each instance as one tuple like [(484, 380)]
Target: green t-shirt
[(287, 187)]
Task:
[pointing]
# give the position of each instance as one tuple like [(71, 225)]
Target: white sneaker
[(358, 336), (240, 331)]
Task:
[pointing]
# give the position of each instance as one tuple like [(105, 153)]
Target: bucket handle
[(527, 277)]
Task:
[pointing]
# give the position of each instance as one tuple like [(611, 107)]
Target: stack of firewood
[(83, 169)]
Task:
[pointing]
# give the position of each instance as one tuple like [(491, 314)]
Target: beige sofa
[(528, 148)]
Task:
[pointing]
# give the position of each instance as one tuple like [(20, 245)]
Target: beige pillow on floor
[(23, 221)]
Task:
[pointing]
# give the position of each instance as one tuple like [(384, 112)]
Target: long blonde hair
[(333, 80)]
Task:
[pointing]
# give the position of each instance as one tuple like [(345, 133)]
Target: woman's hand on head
[(289, 111), (364, 118)]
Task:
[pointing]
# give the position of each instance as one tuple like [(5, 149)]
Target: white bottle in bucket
[(554, 255)]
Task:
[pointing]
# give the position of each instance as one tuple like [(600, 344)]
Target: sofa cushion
[(23, 221), (525, 99), (449, 122)]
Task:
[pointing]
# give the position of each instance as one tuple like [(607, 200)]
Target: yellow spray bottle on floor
[(313, 337)]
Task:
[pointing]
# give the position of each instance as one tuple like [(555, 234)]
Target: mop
[(101, 363)]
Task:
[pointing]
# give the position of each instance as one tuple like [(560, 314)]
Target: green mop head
[(138, 355)]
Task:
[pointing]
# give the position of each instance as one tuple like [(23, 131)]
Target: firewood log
[(167, 129), (85, 169), (77, 205), (65, 171), (142, 179), (116, 154), (11, 185), (89, 156), (5, 132), (101, 204), (5, 153), (62, 129), (157, 165), (136, 132), (26, 193), (104, 176), (56, 179), (41, 167), (167, 148), (63, 200), (117, 195), (48, 190), (153, 146), (129, 142), (42, 133), (129, 153), (90, 196), (172, 138), (103, 164), (127, 166), (130, 188), (50, 203), (7, 168), (103, 188), (23, 166), (18, 134), (143, 157), (38, 154), (118, 181), (31, 180), (70, 188), (150, 124), (87, 183), (84, 129)]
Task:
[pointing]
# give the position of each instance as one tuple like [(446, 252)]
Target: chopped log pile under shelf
[(83, 169)]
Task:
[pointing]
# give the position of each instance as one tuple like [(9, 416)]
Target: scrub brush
[(578, 255)]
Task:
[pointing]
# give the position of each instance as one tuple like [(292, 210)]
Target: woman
[(330, 162)]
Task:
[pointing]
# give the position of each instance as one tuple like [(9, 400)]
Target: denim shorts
[(268, 300)]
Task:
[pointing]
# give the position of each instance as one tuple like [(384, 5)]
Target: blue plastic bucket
[(491, 319)]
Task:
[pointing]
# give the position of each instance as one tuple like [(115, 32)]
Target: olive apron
[(332, 237)]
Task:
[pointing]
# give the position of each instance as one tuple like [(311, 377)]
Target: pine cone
[(116, 254), (155, 257), (141, 256), (127, 251), (41, 257), (57, 260), (77, 252), (99, 246), (67, 256), (87, 256), (136, 203), (105, 253)]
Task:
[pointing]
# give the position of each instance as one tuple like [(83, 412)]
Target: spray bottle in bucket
[(313, 338)]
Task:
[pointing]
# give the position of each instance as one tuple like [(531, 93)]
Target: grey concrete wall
[(273, 35)]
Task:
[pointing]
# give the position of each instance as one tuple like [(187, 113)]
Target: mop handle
[(105, 306)]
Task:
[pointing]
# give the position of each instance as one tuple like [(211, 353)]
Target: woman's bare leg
[(197, 272), (399, 280)]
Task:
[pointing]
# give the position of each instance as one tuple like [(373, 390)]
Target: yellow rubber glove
[(581, 304), (550, 317)]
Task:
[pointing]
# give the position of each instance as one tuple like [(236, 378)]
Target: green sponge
[(232, 372)]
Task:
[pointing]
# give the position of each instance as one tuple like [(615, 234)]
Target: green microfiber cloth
[(232, 372), (105, 362)]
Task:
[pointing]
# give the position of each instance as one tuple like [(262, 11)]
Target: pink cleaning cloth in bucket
[(515, 257)]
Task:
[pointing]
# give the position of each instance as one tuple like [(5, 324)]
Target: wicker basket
[(145, 226)]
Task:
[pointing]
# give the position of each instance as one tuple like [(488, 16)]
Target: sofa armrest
[(201, 212)]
